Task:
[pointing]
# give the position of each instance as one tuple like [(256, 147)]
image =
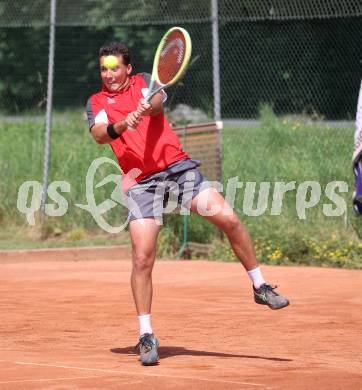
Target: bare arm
[(144, 108), (156, 104), (100, 134), (154, 107)]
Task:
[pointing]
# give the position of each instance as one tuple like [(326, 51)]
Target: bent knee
[(232, 224), (142, 262)]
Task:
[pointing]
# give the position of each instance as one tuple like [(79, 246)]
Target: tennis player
[(151, 157)]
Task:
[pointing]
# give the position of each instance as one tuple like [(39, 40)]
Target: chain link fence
[(301, 57)]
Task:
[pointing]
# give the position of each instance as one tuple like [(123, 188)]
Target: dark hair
[(116, 48)]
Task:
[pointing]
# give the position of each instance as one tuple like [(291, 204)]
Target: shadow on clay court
[(166, 352)]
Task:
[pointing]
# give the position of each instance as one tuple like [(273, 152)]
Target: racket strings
[(171, 57)]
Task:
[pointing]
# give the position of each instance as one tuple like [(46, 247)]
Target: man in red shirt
[(156, 167)]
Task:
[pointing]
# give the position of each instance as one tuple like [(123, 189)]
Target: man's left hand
[(144, 108)]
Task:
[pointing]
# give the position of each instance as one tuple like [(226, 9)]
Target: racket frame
[(181, 71)]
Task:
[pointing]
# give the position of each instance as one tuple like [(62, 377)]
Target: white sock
[(256, 277), (145, 324)]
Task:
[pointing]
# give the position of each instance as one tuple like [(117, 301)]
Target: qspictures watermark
[(258, 198)]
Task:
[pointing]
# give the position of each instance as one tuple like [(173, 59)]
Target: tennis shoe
[(266, 295), (148, 345)]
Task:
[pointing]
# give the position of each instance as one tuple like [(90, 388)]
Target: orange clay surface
[(72, 325)]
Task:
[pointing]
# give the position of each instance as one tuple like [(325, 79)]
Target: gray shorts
[(164, 191)]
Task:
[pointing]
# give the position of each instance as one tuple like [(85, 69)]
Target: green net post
[(184, 250)]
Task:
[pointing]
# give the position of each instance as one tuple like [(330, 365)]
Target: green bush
[(168, 243), (331, 252)]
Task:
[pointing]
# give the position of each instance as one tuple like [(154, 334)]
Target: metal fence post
[(215, 59), (49, 108)]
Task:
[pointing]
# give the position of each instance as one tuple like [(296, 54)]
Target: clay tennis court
[(68, 322)]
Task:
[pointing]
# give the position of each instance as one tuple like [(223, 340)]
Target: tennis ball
[(110, 62)]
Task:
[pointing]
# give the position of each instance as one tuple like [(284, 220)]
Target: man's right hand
[(133, 119)]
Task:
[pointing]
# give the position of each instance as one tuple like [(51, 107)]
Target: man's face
[(116, 78)]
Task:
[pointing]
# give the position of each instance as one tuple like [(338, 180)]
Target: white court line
[(135, 373), (64, 379)]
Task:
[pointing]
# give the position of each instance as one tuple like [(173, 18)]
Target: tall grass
[(277, 150), (72, 151), (286, 151)]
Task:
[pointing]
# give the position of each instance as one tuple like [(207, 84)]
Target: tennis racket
[(171, 60)]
